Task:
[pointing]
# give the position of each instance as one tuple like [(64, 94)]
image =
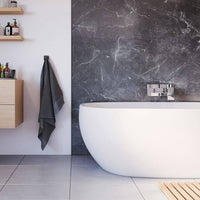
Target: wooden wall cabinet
[(11, 103)]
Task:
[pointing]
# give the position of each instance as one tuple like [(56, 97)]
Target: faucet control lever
[(161, 90)]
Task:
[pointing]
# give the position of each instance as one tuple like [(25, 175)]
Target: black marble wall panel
[(121, 45)]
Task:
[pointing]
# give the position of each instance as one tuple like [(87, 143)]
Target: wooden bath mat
[(181, 191)]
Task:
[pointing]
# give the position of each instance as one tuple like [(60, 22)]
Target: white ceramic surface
[(144, 139)]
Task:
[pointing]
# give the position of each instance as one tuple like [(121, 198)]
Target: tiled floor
[(65, 177)]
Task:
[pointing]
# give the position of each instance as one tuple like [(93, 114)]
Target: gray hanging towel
[(51, 102)]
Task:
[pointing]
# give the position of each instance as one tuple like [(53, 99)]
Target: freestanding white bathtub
[(144, 139)]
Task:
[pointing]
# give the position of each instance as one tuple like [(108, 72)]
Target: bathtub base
[(155, 140)]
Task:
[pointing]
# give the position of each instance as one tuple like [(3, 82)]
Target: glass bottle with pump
[(15, 28)]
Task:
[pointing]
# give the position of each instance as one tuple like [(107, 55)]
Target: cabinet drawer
[(7, 116), (11, 103), (7, 91)]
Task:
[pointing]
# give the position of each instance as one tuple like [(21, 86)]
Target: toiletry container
[(8, 29), (15, 28), (13, 4)]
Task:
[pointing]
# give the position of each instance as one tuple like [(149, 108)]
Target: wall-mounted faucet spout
[(161, 90)]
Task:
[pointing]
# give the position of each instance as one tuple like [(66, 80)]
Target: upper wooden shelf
[(11, 11)]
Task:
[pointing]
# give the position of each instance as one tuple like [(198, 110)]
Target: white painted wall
[(46, 27)]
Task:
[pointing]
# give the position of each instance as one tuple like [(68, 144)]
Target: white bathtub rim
[(141, 105)]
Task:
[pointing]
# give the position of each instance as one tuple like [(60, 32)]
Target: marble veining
[(121, 45)]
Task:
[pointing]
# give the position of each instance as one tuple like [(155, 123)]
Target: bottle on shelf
[(15, 28), (13, 4), (2, 68), (8, 29), (6, 71)]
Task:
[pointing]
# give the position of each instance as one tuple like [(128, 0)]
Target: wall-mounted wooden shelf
[(11, 38), (11, 11)]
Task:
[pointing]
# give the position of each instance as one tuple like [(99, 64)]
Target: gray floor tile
[(5, 172), (46, 160), (48, 178), (35, 170), (149, 189), (90, 171), (10, 160), (41, 174), (39, 178), (35, 192), (101, 192), (82, 175), (83, 161), (90, 182), (1, 186)]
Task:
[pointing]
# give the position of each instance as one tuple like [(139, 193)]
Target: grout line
[(70, 179), (137, 188), (12, 173)]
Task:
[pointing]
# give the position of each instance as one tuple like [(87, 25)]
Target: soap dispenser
[(15, 28)]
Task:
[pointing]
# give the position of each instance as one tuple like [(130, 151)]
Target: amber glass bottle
[(6, 71), (15, 28)]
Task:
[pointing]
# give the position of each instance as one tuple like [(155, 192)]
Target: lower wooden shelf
[(11, 38)]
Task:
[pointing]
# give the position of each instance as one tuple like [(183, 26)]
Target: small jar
[(13, 4)]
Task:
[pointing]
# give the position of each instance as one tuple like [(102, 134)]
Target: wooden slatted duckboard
[(181, 191)]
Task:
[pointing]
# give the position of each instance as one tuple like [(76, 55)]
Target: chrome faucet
[(161, 90)]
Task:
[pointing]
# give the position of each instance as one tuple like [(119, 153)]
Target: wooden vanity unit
[(11, 103)]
